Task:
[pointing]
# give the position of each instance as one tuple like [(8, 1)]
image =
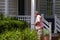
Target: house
[(15, 7), (23, 8)]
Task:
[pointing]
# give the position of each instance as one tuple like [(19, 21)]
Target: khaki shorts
[(39, 34)]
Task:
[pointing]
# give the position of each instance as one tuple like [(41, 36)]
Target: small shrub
[(11, 29), (26, 34), (45, 31), (10, 35), (29, 34), (12, 24), (2, 16)]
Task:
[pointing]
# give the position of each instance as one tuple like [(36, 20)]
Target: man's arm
[(37, 22)]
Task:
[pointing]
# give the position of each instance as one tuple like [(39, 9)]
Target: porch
[(47, 25), (13, 10)]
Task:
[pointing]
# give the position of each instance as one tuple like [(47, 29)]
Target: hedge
[(12, 24), (26, 34), (13, 29)]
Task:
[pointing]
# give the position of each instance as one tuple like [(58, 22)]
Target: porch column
[(6, 8), (54, 7), (33, 8), (54, 15)]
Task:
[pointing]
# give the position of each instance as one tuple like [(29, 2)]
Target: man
[(38, 25)]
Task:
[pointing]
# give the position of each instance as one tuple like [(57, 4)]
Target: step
[(55, 36)]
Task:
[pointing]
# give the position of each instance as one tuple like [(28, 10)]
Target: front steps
[(55, 36)]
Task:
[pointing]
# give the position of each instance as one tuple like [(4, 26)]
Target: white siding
[(27, 7), (42, 7), (9, 7), (2, 6), (13, 7), (57, 8)]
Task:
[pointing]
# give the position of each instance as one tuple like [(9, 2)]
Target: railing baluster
[(50, 30), (24, 18), (57, 24)]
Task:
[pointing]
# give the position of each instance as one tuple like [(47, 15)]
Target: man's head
[(36, 13)]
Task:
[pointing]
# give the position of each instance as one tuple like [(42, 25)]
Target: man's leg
[(39, 34)]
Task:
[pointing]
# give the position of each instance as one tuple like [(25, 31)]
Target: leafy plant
[(10, 35), (8, 23), (29, 34), (26, 34), (11, 29), (45, 31)]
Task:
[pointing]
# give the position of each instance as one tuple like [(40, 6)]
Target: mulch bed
[(55, 36)]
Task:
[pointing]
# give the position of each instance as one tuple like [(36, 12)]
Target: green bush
[(12, 24), (2, 17), (11, 29), (29, 34), (18, 24), (10, 35), (45, 31), (26, 34), (8, 23)]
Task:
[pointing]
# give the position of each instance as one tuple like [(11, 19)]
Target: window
[(45, 7), (49, 7), (20, 7)]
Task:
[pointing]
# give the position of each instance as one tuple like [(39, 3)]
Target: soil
[(55, 36), (45, 37)]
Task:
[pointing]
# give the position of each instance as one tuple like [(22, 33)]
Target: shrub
[(12, 24), (26, 34), (29, 34), (10, 35), (45, 31), (11, 29), (2, 17), (18, 24), (3, 25)]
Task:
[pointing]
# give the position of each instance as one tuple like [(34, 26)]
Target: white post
[(55, 24), (54, 6), (50, 33), (6, 7), (33, 8)]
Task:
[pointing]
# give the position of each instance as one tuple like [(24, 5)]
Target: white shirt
[(38, 19)]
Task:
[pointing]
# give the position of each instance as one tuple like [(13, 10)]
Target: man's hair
[(36, 12)]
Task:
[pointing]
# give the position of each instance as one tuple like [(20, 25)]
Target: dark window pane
[(21, 7)]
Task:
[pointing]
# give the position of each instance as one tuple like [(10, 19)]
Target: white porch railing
[(47, 25), (57, 24), (24, 18)]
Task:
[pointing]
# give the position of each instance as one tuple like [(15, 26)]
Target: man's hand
[(37, 23)]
